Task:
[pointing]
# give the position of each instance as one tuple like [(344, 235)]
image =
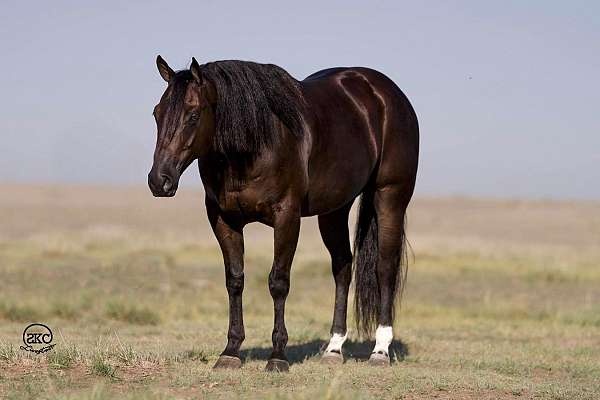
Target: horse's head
[(185, 124)]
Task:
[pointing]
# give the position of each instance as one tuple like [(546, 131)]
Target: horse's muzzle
[(163, 183)]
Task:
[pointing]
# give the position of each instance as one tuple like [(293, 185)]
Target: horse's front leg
[(286, 227), (231, 240)]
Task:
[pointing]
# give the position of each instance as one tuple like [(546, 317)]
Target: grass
[(101, 367), (131, 314), (19, 313), (134, 292), (63, 357)]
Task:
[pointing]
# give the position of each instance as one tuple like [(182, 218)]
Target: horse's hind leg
[(390, 206), (334, 231)]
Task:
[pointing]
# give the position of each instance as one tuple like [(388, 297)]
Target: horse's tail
[(367, 301)]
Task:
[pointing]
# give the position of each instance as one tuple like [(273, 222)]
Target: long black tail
[(366, 299)]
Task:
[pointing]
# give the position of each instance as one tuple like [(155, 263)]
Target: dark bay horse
[(272, 149)]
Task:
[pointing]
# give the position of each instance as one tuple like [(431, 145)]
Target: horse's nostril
[(167, 183)]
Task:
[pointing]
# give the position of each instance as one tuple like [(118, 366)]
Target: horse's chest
[(250, 202), (250, 194), (239, 201)]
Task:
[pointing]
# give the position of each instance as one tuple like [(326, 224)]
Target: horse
[(272, 149)]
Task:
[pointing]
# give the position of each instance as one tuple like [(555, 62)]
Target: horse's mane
[(250, 99), (250, 96)]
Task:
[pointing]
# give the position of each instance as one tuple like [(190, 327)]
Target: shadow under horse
[(298, 353)]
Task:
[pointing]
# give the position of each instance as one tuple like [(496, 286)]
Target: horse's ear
[(163, 68), (195, 70)]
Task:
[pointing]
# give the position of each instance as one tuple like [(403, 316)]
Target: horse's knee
[(279, 285), (234, 283)]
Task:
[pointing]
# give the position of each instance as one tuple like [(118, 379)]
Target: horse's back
[(366, 85), (325, 73)]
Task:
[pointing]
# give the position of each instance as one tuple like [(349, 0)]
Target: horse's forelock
[(175, 100)]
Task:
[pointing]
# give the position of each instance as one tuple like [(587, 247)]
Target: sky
[(507, 93)]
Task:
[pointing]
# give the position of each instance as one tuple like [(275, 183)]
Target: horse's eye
[(194, 117)]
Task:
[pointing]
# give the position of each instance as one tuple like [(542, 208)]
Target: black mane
[(250, 98)]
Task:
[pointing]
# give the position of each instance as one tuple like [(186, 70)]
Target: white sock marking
[(383, 338), (336, 342)]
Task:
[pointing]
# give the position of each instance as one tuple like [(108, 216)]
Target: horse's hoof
[(276, 365), (228, 362), (332, 358), (379, 359)]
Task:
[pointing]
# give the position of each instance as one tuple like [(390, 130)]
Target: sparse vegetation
[(19, 313), (497, 305), (131, 314)]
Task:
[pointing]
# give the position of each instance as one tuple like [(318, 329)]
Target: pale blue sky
[(507, 93)]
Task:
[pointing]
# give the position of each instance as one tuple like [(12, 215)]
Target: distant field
[(502, 301)]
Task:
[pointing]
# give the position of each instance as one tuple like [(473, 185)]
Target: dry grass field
[(502, 301)]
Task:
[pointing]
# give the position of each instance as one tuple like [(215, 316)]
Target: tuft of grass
[(126, 354), (131, 314), (101, 367), (7, 352), (195, 355), (62, 358)]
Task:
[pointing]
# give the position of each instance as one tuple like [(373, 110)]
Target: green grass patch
[(102, 368)]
